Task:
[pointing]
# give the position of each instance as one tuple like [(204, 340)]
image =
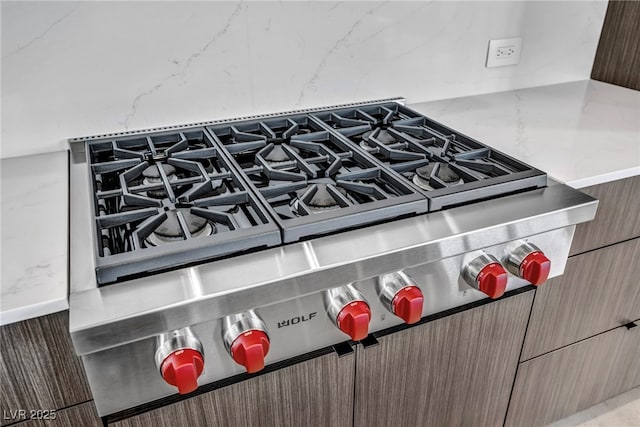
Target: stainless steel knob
[(179, 358), (486, 274), (348, 310), (246, 339), (400, 295), (530, 263)]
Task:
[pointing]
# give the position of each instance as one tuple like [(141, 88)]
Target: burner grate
[(165, 199), (448, 167), (312, 181)]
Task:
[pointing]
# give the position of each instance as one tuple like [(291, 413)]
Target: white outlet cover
[(504, 52)]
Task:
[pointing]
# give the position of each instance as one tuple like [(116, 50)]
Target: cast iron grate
[(311, 179), (446, 166), (162, 200)]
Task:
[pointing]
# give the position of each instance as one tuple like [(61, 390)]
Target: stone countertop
[(34, 208), (581, 133)]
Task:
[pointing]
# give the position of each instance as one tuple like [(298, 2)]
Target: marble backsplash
[(78, 68)]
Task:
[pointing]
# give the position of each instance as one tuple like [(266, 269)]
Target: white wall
[(71, 69)]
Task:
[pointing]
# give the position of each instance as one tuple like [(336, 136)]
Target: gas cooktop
[(167, 199), (248, 243)]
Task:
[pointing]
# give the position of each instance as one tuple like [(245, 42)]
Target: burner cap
[(445, 173), (153, 174), (324, 199), (171, 229), (424, 172), (321, 200), (448, 175), (278, 155)]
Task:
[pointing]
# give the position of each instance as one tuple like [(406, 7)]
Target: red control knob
[(250, 349), (354, 319), (535, 268), (407, 304), (492, 280), (182, 369)]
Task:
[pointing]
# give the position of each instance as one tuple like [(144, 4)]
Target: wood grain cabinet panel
[(453, 371), (318, 392), (38, 367), (83, 415), (565, 381), (617, 59), (599, 290), (617, 218)]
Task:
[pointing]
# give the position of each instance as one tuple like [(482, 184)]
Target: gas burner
[(152, 176), (444, 173), (278, 155), (420, 182), (171, 230), (152, 173), (381, 135), (319, 198)]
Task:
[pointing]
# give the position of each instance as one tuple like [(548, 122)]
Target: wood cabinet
[(617, 218), (457, 370), (318, 392), (565, 381), (38, 368), (617, 60), (599, 291), (84, 415), (576, 353)]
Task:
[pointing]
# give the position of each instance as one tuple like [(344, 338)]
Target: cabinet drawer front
[(457, 370), (617, 219), (599, 291), (316, 392), (565, 381), (38, 367)]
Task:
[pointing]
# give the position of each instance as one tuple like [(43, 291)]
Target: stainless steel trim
[(117, 314), (515, 258), (236, 324), (399, 100), (173, 341), (390, 284), (472, 269), (337, 298)]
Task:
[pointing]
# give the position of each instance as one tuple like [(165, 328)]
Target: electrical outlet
[(504, 52)]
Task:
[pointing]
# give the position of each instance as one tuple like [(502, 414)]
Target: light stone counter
[(34, 208)]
